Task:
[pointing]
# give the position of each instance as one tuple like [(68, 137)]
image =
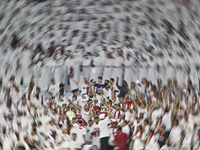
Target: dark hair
[(119, 128), (37, 95), (74, 96), (96, 118), (112, 79), (100, 78), (60, 125), (39, 122), (126, 122), (163, 126), (37, 88), (151, 130), (21, 147), (147, 121), (90, 120), (73, 133)]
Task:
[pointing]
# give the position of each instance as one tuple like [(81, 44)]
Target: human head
[(86, 80), (74, 97), (73, 120), (86, 107), (53, 81), (75, 92), (74, 136), (119, 128), (162, 129), (96, 120), (124, 84), (100, 91), (114, 124), (99, 79), (90, 122), (38, 90), (112, 80), (118, 107)]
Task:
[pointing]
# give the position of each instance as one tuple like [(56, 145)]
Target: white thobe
[(129, 71)]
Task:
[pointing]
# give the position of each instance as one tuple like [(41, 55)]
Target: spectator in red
[(121, 139)]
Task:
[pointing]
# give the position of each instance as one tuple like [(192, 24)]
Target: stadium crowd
[(106, 75)]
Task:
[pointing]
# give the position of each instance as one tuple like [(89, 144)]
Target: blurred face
[(45, 113), (99, 80), (73, 121), (53, 82), (74, 137), (96, 120), (86, 81), (78, 117), (75, 93), (132, 85), (53, 112), (86, 107), (117, 107), (64, 131), (124, 83), (23, 101), (90, 94), (74, 99), (99, 91), (90, 123), (111, 82)]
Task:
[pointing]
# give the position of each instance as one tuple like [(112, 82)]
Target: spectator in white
[(81, 133), (166, 121), (151, 142), (83, 100), (14, 90), (175, 135), (53, 87), (61, 87), (112, 85), (113, 132), (84, 87), (74, 143), (145, 128), (60, 99), (107, 91), (95, 133), (75, 95), (117, 112), (126, 128), (88, 128), (104, 129)]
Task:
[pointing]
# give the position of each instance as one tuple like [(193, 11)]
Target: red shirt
[(120, 139)]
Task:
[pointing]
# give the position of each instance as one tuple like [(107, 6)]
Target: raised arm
[(75, 81), (117, 83), (78, 107), (93, 93)]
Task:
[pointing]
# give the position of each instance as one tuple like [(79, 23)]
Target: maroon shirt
[(120, 139)]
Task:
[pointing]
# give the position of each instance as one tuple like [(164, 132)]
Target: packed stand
[(131, 67)]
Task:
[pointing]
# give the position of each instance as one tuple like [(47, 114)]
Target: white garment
[(126, 130), (166, 120), (129, 71), (175, 135), (113, 132), (104, 129)]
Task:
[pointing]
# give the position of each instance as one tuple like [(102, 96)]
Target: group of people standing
[(131, 67)]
